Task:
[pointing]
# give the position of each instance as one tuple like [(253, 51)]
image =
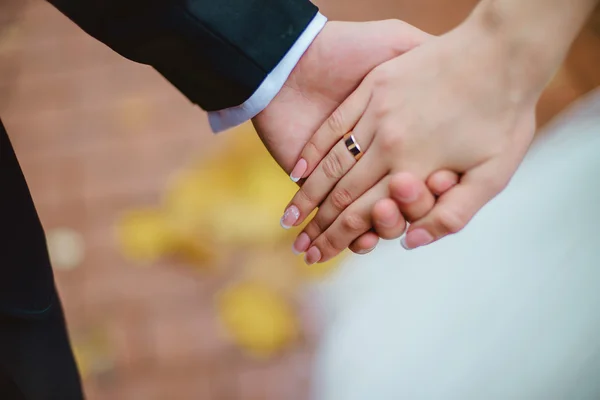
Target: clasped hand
[(445, 109)]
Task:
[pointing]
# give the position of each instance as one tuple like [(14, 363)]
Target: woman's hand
[(457, 103), (331, 69)]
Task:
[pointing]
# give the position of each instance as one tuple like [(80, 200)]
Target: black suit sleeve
[(216, 52)]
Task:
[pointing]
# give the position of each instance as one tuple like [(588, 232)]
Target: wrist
[(501, 61), (530, 38), (525, 62)]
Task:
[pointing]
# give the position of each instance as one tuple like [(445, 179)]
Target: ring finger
[(333, 167)]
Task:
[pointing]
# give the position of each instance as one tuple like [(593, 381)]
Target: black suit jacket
[(217, 52)]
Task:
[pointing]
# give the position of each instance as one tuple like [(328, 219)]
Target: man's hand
[(332, 67)]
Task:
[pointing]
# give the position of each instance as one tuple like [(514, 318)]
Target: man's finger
[(365, 243), (441, 181), (454, 210)]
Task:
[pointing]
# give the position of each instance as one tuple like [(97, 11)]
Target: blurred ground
[(97, 135)]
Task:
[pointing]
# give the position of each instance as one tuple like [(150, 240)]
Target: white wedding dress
[(508, 309)]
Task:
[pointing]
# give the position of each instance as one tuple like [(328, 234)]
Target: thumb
[(455, 208)]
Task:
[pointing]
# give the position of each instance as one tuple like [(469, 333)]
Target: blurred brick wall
[(97, 135)]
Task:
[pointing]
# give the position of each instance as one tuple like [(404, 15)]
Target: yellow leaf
[(258, 319), (83, 359), (144, 235), (197, 249), (273, 267)]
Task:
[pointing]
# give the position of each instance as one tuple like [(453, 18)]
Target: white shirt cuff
[(268, 89)]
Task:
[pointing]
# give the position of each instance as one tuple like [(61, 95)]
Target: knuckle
[(312, 230), (332, 166), (328, 246), (382, 105), (304, 199), (354, 223), (318, 225), (335, 122), (311, 150), (340, 199), (391, 139), (389, 108), (382, 76), (380, 112), (451, 221)]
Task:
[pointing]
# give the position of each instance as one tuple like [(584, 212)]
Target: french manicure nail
[(299, 170), (416, 238), (312, 256), (290, 216), (301, 244), (403, 243)]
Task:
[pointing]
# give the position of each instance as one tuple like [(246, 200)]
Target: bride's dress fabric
[(508, 309)]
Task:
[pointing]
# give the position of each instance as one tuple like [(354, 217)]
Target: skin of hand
[(408, 198), (463, 102), (408, 115), (331, 69)]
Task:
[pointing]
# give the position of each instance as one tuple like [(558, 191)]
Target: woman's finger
[(362, 177), (441, 181), (354, 221), (341, 121), (329, 173)]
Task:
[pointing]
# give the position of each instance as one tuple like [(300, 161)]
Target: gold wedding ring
[(353, 146)]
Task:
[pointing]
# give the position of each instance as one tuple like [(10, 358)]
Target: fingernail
[(403, 243), (366, 251), (299, 170), (312, 256), (416, 238), (301, 244), (290, 216)]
